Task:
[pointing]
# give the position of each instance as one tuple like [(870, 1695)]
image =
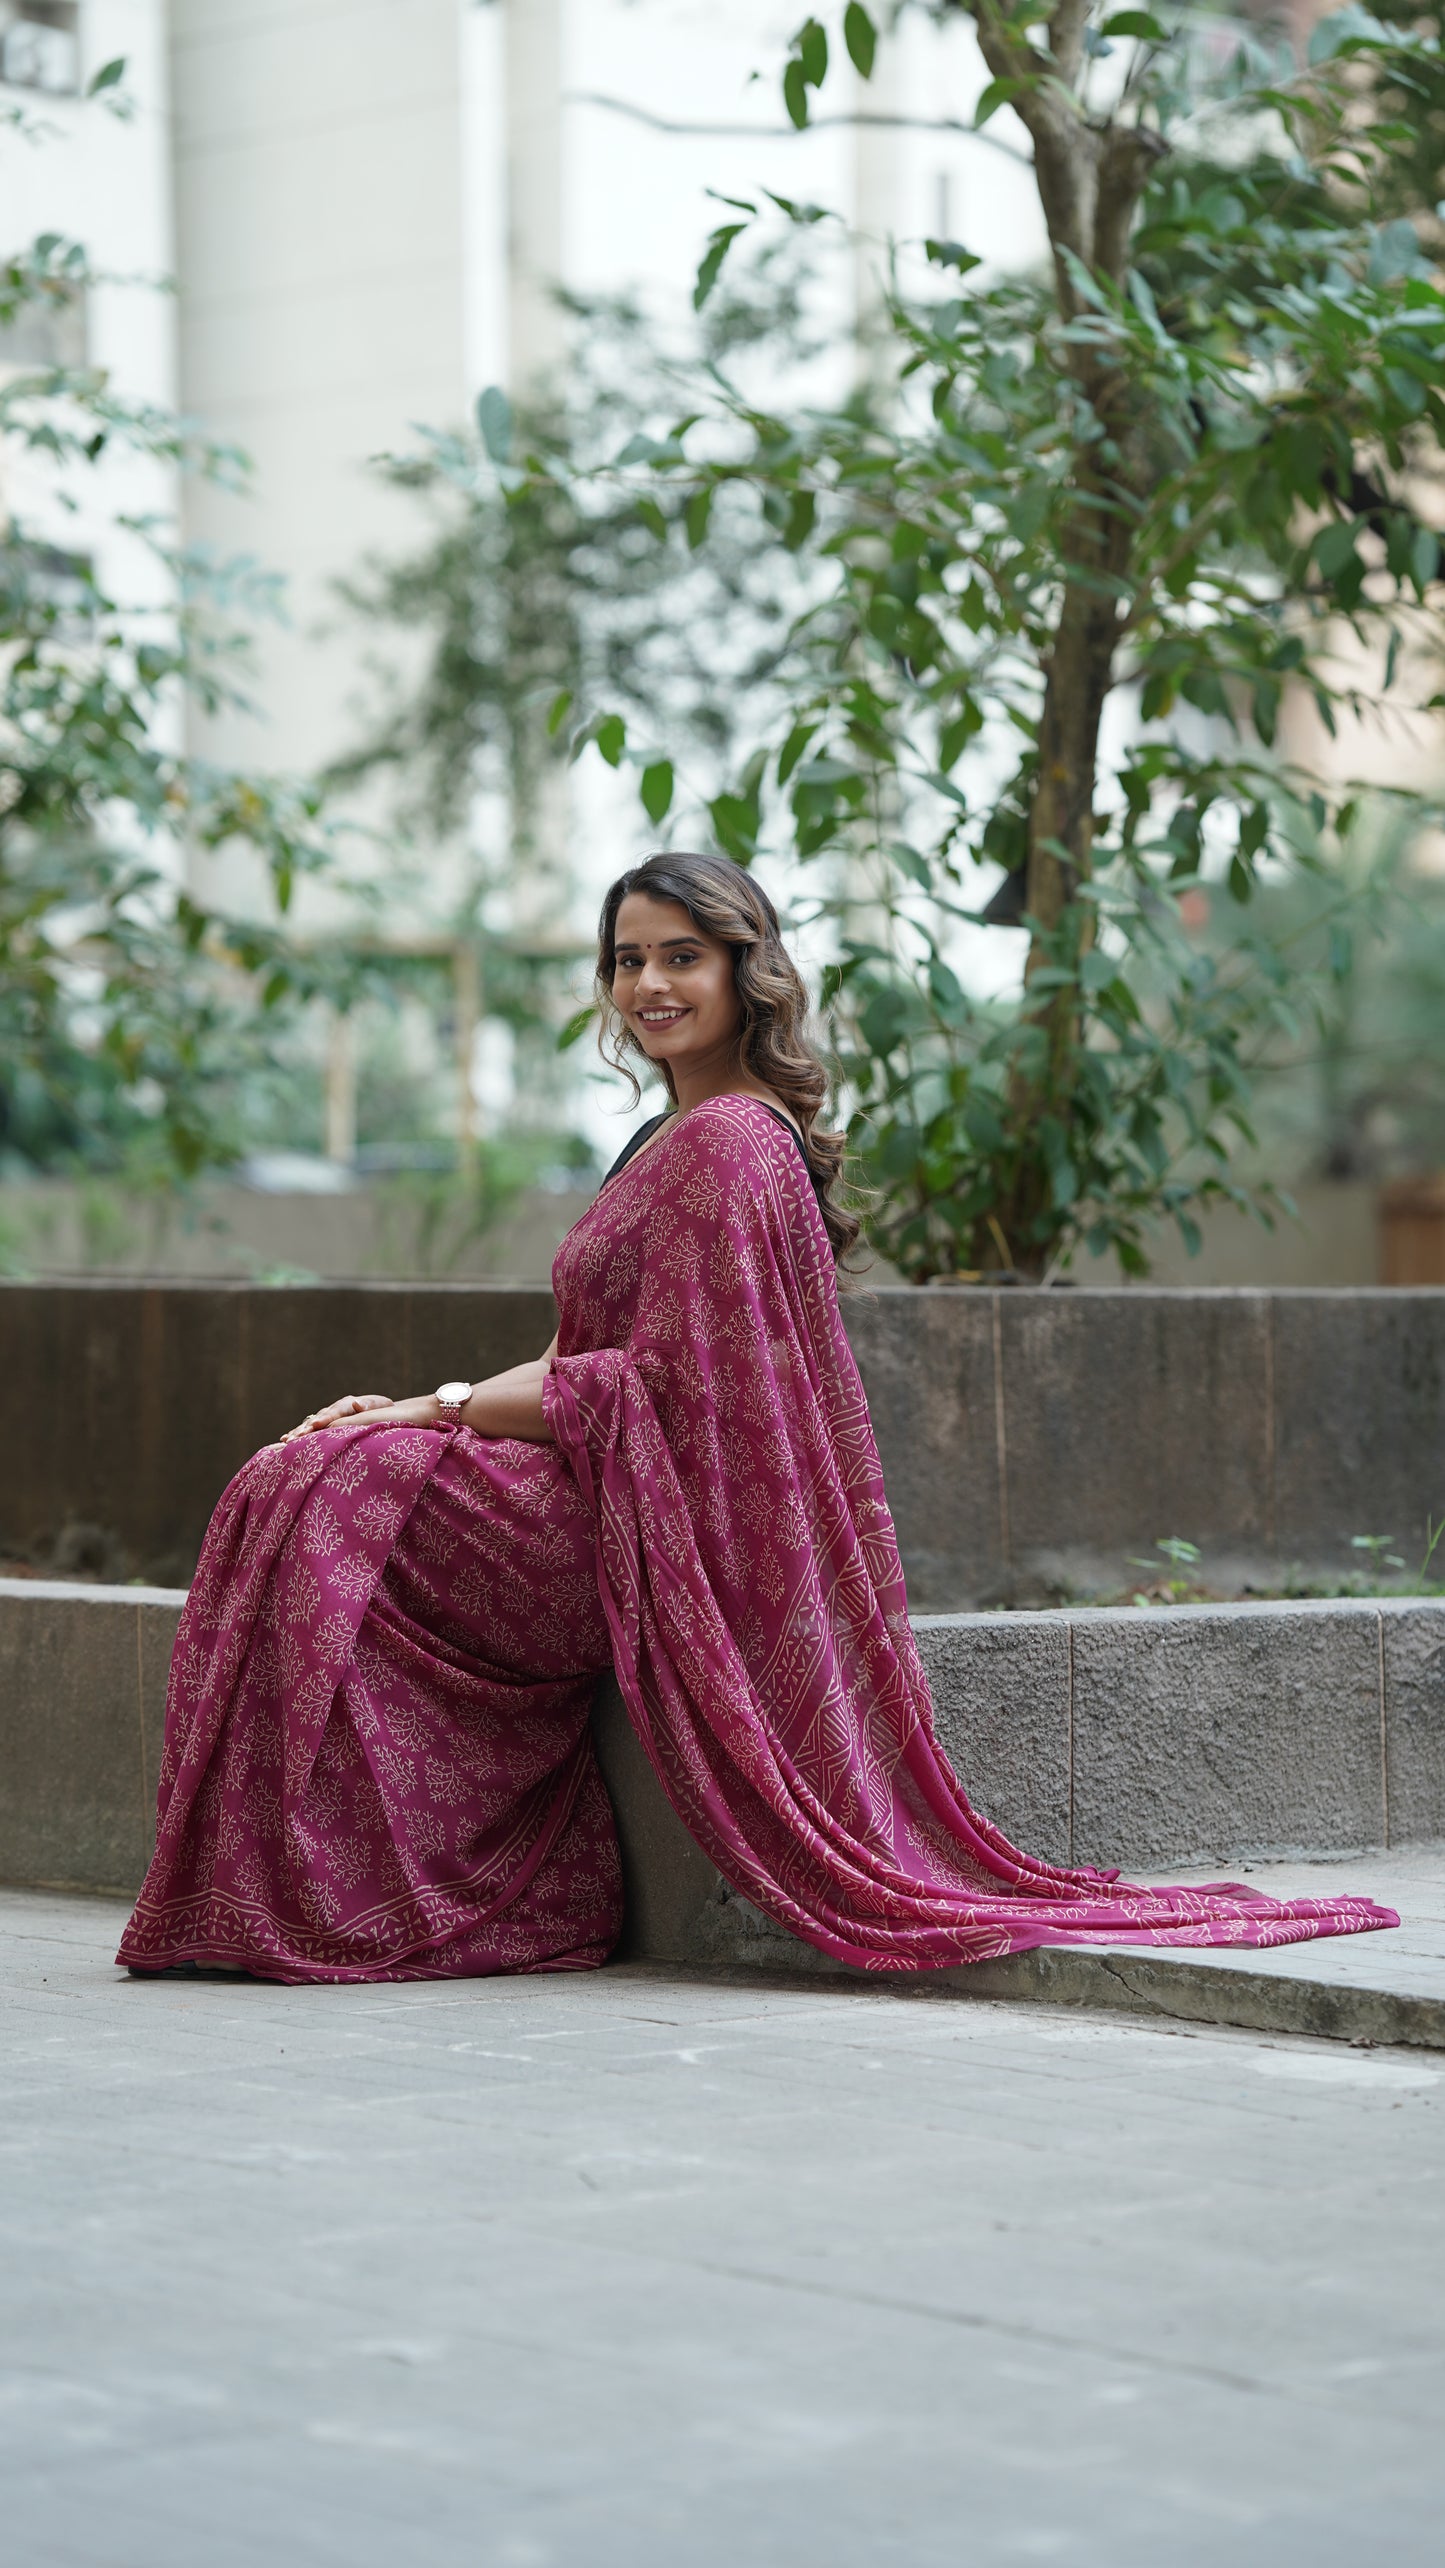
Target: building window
[(40, 45)]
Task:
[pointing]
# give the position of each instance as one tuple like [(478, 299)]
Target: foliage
[(1188, 464), (539, 587), (428, 1220), (543, 585), (128, 1012), (1355, 1089)]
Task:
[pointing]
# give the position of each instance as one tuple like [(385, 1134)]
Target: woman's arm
[(506, 1404)]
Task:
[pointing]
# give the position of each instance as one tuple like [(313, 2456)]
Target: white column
[(534, 189)]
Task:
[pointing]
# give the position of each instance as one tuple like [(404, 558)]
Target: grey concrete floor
[(637, 2272)]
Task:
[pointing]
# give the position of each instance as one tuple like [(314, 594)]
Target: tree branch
[(1127, 154), (1066, 39), (789, 133), (1064, 145)]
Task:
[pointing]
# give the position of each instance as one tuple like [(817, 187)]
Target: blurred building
[(77, 170)]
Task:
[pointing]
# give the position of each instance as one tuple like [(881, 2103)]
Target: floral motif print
[(377, 1765), (377, 1761), (706, 1396)]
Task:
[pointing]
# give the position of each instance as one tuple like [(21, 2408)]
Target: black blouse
[(630, 1149)]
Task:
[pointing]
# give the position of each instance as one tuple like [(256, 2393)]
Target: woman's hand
[(352, 1405), (507, 1405)]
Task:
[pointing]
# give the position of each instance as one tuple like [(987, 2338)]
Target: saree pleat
[(377, 1762)]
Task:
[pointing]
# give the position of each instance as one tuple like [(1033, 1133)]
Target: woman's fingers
[(351, 1405)]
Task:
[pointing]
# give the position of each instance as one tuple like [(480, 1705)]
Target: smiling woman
[(693, 976), (377, 1761)]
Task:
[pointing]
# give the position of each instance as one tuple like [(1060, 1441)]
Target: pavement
[(647, 2271)]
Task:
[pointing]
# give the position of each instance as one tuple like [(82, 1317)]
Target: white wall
[(320, 240), (340, 174)]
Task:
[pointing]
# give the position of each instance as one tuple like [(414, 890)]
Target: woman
[(377, 1762)]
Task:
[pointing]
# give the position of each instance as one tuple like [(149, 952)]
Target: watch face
[(454, 1393)]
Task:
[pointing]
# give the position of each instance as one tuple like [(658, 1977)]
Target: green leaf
[(795, 208), (1396, 252), (109, 76), (996, 94), (611, 738), (881, 1021), (951, 254), (1254, 829), (793, 748), (696, 515), (1424, 557), (909, 862), (653, 519), (575, 1027), (656, 789), (795, 93), (494, 419), (710, 267), (955, 736), (1334, 546), (812, 43), (802, 509), (861, 38), (557, 712), (735, 826), (1135, 22), (1344, 28), (981, 1121)]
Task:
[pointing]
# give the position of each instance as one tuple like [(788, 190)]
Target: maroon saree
[(377, 1762)]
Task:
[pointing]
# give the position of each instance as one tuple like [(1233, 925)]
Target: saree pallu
[(377, 1762)]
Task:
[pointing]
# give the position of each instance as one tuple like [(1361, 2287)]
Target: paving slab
[(632, 2270)]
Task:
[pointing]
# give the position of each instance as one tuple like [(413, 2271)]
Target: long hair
[(773, 1045)]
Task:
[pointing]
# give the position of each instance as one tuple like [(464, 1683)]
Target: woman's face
[(673, 984)]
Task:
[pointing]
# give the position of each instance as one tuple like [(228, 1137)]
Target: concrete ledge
[(1032, 1442), (82, 1718), (1235, 1987)]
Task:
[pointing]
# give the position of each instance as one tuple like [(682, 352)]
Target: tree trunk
[(1090, 179)]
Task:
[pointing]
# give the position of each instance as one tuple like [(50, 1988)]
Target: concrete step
[(1385, 1987), (1369, 1990), (1143, 1739)]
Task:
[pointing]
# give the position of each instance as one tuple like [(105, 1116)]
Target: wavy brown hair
[(773, 1046)]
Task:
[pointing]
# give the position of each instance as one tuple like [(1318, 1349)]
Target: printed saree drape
[(377, 1762)]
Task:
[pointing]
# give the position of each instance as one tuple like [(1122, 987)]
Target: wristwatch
[(451, 1398)]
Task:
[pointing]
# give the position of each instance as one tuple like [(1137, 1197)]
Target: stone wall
[(1032, 1442)]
